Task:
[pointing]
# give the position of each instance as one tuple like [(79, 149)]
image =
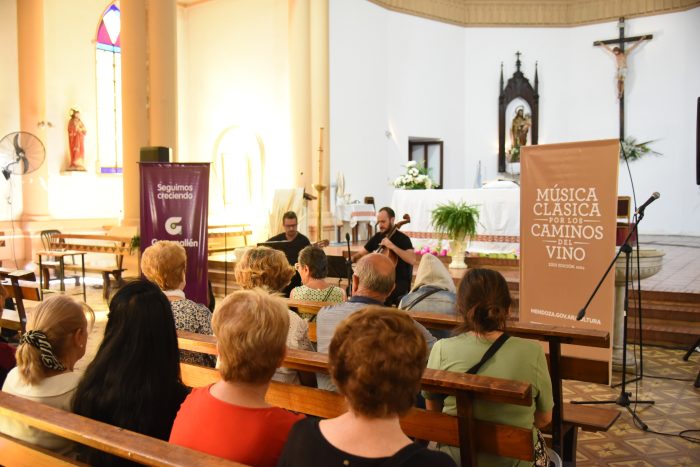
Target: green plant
[(135, 244), (456, 220), (632, 150)]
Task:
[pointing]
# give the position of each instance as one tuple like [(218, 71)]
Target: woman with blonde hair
[(245, 322), (55, 340), (269, 269), (165, 263)]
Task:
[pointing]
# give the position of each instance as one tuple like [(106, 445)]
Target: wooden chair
[(48, 242), (20, 286)]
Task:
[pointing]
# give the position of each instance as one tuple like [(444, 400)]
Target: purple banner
[(174, 206)]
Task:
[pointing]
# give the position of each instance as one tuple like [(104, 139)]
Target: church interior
[(322, 107)]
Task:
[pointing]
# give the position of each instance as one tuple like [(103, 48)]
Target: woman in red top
[(230, 418)]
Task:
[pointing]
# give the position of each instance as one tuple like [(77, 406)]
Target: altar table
[(498, 230)]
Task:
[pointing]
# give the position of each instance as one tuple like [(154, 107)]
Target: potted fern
[(458, 222)]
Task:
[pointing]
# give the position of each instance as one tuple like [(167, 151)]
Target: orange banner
[(568, 202)]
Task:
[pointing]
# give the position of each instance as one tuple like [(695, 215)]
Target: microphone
[(347, 237), (581, 314), (654, 196)]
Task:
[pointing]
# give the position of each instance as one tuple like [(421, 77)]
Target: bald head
[(376, 274)]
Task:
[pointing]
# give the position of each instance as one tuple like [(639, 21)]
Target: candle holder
[(319, 219)]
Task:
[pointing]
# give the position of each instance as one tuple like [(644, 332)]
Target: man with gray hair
[(372, 282)]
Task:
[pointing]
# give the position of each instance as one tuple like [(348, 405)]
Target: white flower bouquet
[(417, 177)]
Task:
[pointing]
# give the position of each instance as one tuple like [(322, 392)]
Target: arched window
[(108, 65)]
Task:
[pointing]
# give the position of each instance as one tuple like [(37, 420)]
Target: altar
[(498, 231)]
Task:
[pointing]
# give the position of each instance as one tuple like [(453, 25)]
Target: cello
[(387, 252)]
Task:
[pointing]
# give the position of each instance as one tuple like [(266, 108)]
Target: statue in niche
[(76, 141), (520, 127)]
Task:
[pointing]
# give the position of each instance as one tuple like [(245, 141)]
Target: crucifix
[(621, 60)]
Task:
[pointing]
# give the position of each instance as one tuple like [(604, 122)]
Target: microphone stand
[(348, 265), (623, 399)]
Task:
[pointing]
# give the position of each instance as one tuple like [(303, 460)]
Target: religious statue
[(621, 61), (520, 128), (76, 138)]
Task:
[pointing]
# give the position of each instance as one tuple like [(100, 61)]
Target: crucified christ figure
[(621, 60)]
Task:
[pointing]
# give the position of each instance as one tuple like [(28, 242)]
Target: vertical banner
[(175, 206), (568, 202)]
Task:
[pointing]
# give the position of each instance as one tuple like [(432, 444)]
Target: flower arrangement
[(514, 154), (632, 150), (417, 177)]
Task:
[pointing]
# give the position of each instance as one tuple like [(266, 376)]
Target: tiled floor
[(681, 264)]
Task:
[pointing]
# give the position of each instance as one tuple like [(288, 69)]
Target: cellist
[(396, 244)]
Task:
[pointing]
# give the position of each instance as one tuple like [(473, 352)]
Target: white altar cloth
[(498, 230), (354, 213)]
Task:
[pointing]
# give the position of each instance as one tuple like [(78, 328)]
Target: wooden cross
[(621, 58)]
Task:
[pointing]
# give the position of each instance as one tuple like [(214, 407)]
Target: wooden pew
[(220, 235), (463, 430), (118, 246), (561, 367), (101, 436), (20, 286), (573, 416)]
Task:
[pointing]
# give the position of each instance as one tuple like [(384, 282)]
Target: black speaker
[(155, 154)]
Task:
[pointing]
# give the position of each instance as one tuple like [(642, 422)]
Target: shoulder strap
[(402, 456), (328, 294), (421, 297), (489, 353)]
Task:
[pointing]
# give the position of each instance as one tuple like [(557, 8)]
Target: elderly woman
[(483, 301), (269, 269), (369, 433), (433, 291), (313, 269), (245, 322), (165, 264), (55, 340)]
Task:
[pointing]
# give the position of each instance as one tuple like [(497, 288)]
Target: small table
[(61, 255), (354, 214)]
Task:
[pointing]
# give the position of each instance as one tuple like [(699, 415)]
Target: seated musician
[(483, 301), (297, 241), (369, 433), (399, 245), (55, 340), (230, 418), (313, 269)]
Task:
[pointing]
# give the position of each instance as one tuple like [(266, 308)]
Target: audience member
[(165, 264), (238, 424), (483, 301), (376, 360), (372, 283), (55, 340), (433, 291), (313, 269), (134, 381), (268, 269)]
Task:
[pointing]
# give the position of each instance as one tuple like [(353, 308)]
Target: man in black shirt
[(297, 242), (399, 244)]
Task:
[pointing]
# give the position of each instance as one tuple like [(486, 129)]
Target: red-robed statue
[(76, 138)]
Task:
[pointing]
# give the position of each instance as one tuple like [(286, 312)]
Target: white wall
[(424, 78)]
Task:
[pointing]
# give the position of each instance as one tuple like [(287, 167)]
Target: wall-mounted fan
[(20, 153)]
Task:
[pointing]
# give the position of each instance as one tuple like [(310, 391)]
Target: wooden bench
[(220, 235), (118, 246), (560, 367), (471, 435), (101, 436), (20, 286)]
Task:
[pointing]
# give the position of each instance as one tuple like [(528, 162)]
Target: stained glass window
[(109, 90)]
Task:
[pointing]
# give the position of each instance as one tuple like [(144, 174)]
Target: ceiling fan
[(20, 153)]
